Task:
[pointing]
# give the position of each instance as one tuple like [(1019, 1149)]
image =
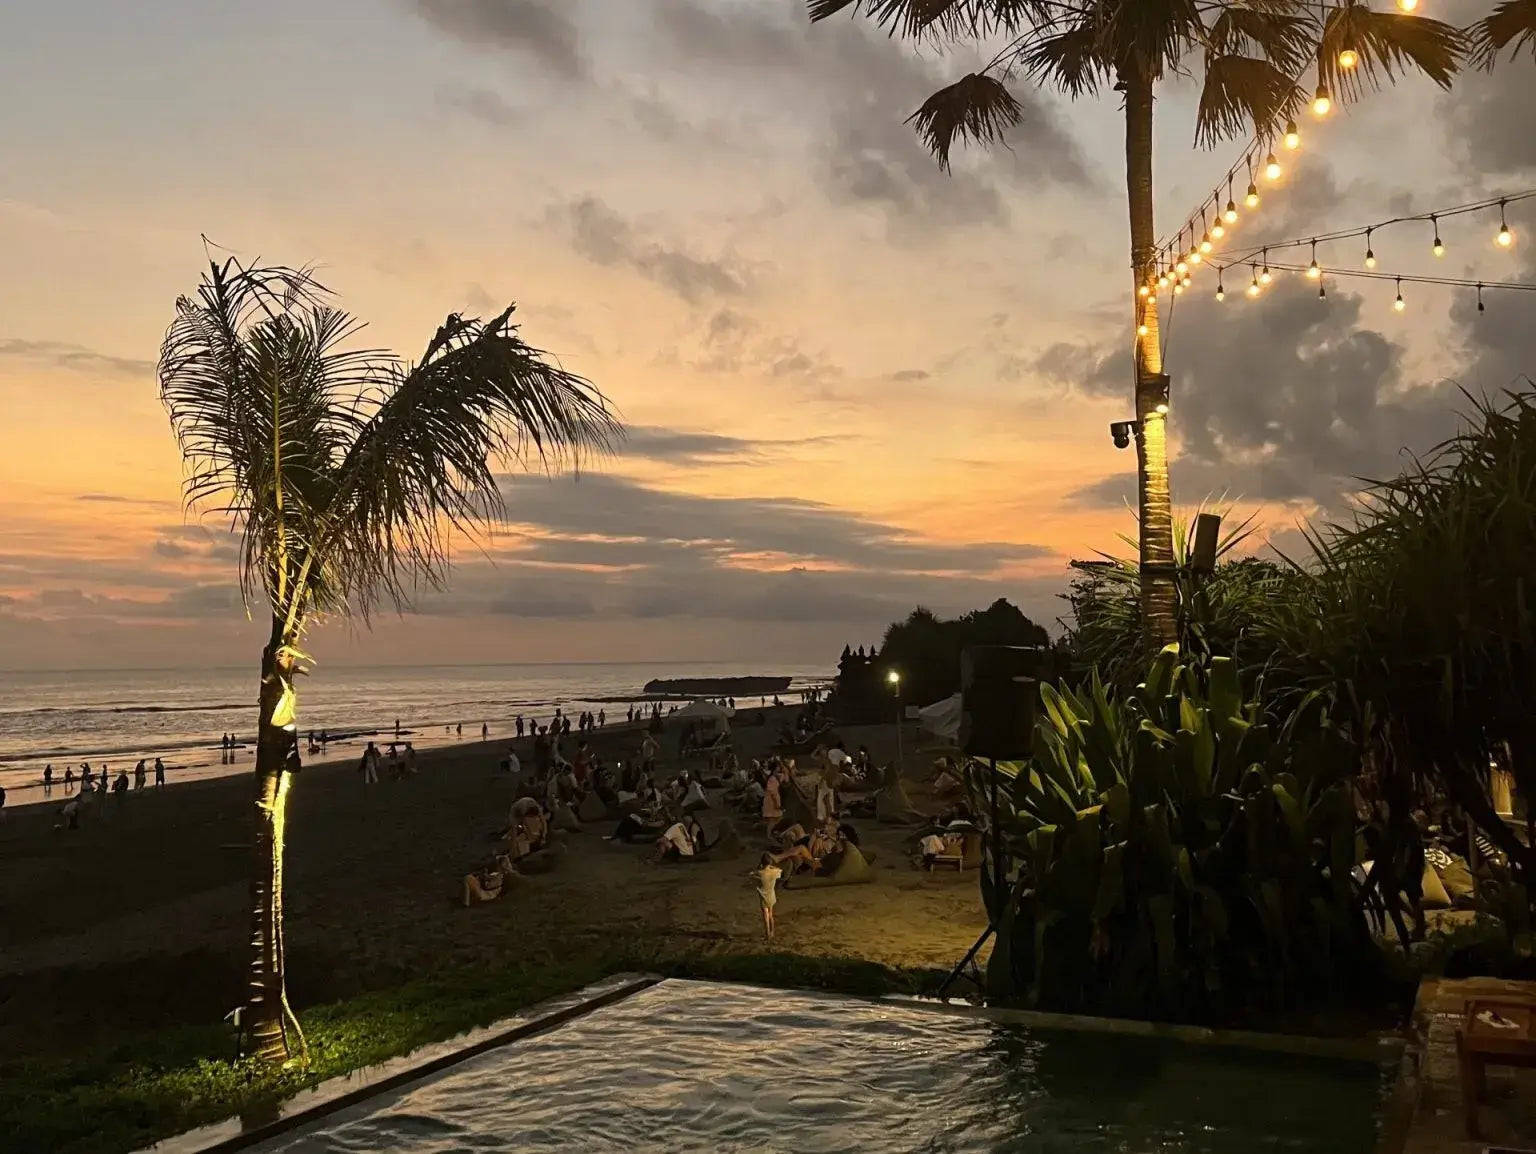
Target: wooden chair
[(1480, 1044)]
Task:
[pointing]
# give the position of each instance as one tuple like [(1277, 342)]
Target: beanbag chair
[(852, 870)]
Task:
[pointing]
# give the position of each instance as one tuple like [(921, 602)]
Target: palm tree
[(1251, 53), (1512, 25), (346, 473)]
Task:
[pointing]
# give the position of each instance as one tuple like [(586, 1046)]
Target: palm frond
[(423, 464), (1243, 91), (1388, 44), (1512, 22), (977, 107), (1276, 32), (941, 19), (1072, 60)]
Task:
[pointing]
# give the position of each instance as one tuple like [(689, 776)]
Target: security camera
[(1122, 432)]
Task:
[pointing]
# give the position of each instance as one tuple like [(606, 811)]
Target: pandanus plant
[(348, 473), (1250, 54)]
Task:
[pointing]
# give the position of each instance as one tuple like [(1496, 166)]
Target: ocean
[(118, 716)]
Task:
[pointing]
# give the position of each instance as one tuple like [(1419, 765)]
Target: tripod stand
[(995, 837)]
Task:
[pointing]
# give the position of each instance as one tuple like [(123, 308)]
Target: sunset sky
[(853, 383)]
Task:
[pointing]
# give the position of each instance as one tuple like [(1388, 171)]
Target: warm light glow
[(1322, 103), (1313, 272), (1272, 168), (1231, 213), (1218, 230), (1265, 277), (1439, 247), (1221, 293), (1187, 280), (1141, 330), (1253, 289), (1182, 267), (1178, 288), (1161, 410), (1195, 257), (1506, 238), (1253, 196), (893, 677), (1370, 259), (1348, 58), (1407, 5), (1292, 137), (1143, 291), (1162, 280), (1206, 245)]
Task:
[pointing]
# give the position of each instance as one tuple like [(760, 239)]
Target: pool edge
[(344, 1090)]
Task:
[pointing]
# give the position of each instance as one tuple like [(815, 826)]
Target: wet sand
[(140, 916)]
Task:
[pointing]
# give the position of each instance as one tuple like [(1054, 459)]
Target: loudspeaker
[(999, 699), (1202, 555)]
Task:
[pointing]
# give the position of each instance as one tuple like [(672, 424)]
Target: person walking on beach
[(369, 766), (519, 725), (459, 730), (138, 775), (767, 876), (397, 729), (159, 773), (47, 781), (410, 760), (105, 781), (69, 780), (602, 718), (485, 731)]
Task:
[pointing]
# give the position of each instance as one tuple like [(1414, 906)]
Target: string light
[(1398, 304), (1143, 290), (1313, 272), (1348, 59), (1292, 137), (1407, 5), (1181, 267), (1370, 253), (1322, 103), (1231, 213), (1253, 195), (1162, 280), (1141, 330), (1272, 167), (1322, 292), (1160, 409), (1265, 277), (1253, 289), (1205, 243), (1439, 244), (1186, 282), (1178, 288), (1506, 238), (1480, 307), (1218, 230), (1221, 287)]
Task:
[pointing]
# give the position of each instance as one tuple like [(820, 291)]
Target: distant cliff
[(717, 686)]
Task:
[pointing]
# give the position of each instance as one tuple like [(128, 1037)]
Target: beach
[(140, 917)]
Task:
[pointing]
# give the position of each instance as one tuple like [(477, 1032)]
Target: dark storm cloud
[(1490, 121), (604, 237), (1289, 399), (863, 85), (76, 358), (543, 30), (1499, 345), (725, 527)]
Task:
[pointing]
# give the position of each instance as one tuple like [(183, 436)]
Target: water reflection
[(690, 1066)]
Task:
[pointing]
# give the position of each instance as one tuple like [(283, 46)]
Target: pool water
[(695, 1066)]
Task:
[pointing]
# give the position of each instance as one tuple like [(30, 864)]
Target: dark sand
[(140, 916)]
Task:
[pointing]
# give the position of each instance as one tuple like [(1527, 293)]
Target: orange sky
[(715, 213)]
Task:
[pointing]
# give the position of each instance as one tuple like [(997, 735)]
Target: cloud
[(1288, 400), (480, 103), (1499, 345), (858, 86), (542, 30), (736, 529), (683, 447), (733, 344), (603, 237), (1489, 122), (76, 358)]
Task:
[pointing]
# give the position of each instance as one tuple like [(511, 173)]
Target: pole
[(901, 768)]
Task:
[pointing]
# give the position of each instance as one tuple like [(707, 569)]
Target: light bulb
[(1480, 307), (1143, 291), (1506, 238), (1221, 293), (1178, 288), (1407, 5), (1253, 289), (1265, 277), (1313, 272), (1272, 168), (1439, 247), (1348, 58), (1322, 103), (1195, 257), (1398, 304), (1161, 410), (1141, 330), (1370, 255), (1206, 245), (1292, 137), (1322, 292), (1218, 230), (1231, 213), (1162, 280), (1182, 267), (1253, 195)]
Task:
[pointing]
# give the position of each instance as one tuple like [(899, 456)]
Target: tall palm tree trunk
[(1155, 503), (277, 756)]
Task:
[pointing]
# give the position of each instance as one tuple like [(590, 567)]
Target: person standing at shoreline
[(519, 725), (485, 731), (138, 775), (69, 780), (48, 781), (159, 773), (369, 766)]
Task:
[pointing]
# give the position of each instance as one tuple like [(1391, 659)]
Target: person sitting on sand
[(676, 842), (528, 827), (646, 823), (70, 814), (767, 876), (485, 884)]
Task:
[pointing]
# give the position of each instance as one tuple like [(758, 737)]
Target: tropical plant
[(1251, 53), (1511, 24), (1215, 614), (1416, 619), (347, 472), (1171, 855)]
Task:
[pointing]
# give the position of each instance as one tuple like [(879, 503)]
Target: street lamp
[(893, 679)]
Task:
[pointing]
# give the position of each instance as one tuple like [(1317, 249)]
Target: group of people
[(397, 764), (94, 789)]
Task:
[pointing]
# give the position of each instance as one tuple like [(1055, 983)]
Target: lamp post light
[(893, 678)]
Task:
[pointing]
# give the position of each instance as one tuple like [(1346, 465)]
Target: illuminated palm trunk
[(277, 756), (1154, 501)]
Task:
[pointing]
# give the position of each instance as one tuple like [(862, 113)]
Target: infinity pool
[(693, 1066)]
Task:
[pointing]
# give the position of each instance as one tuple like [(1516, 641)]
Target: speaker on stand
[(999, 701)]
